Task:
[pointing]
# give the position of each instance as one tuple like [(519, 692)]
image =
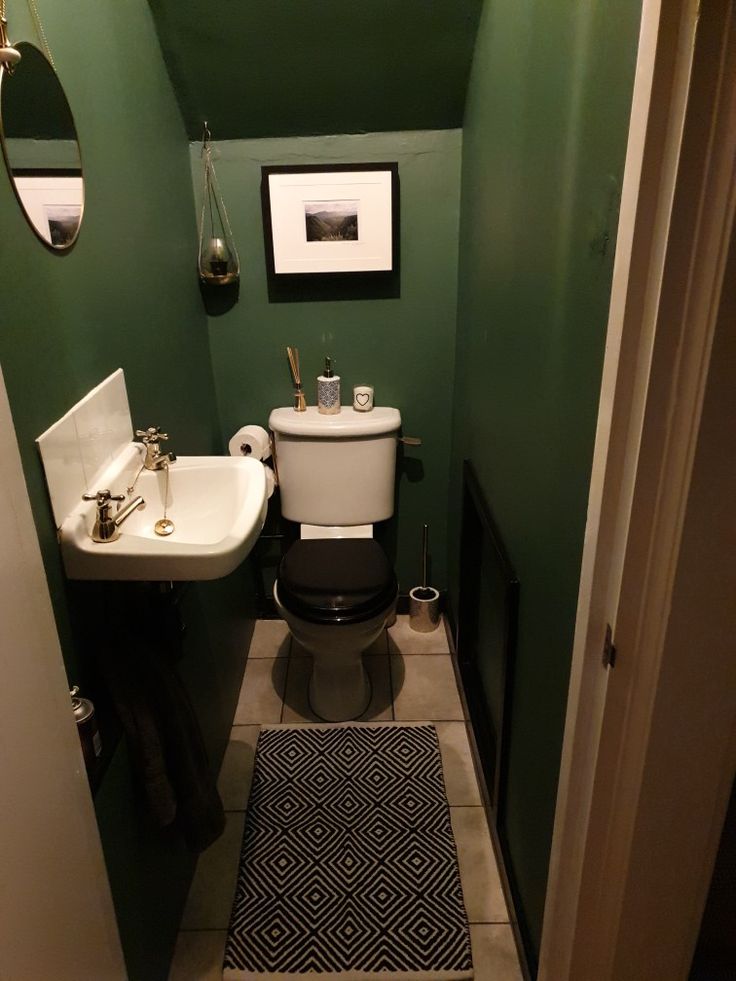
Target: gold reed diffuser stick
[(300, 404)]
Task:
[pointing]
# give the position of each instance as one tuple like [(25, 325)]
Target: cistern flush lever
[(107, 528), (410, 440)]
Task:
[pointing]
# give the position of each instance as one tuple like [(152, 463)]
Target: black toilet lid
[(336, 580)]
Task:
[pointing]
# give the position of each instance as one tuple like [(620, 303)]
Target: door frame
[(676, 221), (58, 919)]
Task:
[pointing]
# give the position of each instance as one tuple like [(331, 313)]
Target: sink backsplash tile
[(103, 426), (81, 445), (62, 463)]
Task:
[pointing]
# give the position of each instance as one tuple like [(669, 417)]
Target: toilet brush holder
[(424, 609), (424, 601)]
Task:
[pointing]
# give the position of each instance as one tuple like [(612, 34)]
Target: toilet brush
[(424, 600)]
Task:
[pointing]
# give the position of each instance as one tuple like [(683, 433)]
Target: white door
[(56, 914)]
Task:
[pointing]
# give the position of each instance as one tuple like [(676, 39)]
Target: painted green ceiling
[(256, 68)]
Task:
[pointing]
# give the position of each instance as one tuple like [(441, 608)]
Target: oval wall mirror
[(41, 150)]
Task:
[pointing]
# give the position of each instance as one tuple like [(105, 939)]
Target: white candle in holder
[(362, 398)]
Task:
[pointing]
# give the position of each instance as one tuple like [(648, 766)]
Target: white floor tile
[(494, 952), (484, 900), (236, 772), (270, 639), (403, 640), (213, 887), (198, 956), (461, 784), (296, 704), (425, 688), (262, 692)]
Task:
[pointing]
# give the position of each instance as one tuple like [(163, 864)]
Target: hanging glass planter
[(218, 260)]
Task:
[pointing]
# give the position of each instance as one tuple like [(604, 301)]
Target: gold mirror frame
[(46, 203)]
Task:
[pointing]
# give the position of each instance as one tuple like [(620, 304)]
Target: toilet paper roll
[(250, 441), (270, 480)]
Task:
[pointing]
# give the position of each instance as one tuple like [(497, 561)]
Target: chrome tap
[(107, 527), (151, 437)]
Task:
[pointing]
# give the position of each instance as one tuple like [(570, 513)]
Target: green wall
[(127, 295), (405, 346), (543, 152)]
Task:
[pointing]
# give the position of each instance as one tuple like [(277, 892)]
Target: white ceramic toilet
[(336, 588)]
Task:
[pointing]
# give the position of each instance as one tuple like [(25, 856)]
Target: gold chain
[(40, 31)]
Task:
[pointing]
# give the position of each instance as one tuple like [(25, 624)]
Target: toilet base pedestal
[(339, 691), (340, 688)]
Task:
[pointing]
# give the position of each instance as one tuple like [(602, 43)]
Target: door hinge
[(609, 651)]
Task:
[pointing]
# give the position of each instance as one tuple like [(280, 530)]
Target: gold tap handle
[(151, 435), (103, 497)]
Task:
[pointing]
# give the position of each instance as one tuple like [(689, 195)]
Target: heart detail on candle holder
[(362, 398)]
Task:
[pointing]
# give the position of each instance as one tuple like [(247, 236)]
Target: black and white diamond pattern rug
[(348, 869)]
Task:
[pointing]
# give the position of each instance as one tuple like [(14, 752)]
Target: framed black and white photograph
[(330, 221), (63, 221), (53, 202)]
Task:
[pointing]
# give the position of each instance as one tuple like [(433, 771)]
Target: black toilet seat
[(336, 580)]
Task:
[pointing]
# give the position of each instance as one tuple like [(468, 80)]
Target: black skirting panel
[(486, 649), (486, 641)]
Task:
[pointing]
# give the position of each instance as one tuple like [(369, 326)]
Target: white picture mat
[(38, 192), (289, 194)]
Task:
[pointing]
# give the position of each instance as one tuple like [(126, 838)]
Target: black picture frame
[(334, 284)]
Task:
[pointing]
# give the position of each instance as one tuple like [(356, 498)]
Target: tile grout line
[(390, 678), (420, 654), (431, 721), (286, 680), (203, 930), (489, 922)]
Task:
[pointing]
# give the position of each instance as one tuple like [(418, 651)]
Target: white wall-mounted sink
[(217, 505)]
